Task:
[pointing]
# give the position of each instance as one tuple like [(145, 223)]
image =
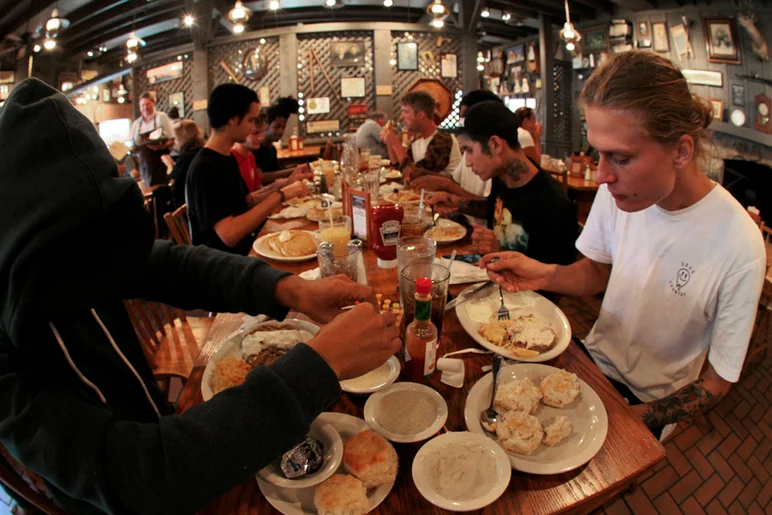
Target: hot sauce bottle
[(385, 227), (421, 334)]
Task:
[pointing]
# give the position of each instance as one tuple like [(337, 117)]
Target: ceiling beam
[(14, 17), (95, 8), (604, 6), (161, 41), (124, 29)]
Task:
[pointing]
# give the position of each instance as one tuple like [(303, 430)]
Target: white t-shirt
[(160, 120), (420, 145), (684, 285), (524, 138), (467, 179)]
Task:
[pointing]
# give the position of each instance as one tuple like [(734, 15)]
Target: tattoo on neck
[(684, 404), (515, 169)]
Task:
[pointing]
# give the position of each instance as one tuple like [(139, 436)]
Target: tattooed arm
[(694, 398)]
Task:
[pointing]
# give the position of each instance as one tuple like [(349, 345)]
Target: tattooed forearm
[(684, 404), (476, 208)]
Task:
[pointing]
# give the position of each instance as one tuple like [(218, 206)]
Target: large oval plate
[(261, 247), (587, 415), (528, 302)]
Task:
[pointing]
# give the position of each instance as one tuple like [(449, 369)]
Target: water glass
[(415, 224), (331, 264), (413, 250), (371, 183), (440, 280)]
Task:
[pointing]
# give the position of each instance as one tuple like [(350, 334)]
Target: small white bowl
[(333, 455), (372, 411), (371, 387)]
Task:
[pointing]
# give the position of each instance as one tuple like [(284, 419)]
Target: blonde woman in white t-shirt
[(679, 259)]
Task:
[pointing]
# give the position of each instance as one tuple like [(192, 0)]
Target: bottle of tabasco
[(421, 334)]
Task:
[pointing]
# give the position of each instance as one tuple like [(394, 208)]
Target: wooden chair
[(178, 224), (170, 340), (24, 484), (562, 177), (151, 208)]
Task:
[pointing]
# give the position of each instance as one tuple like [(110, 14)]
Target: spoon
[(489, 417)]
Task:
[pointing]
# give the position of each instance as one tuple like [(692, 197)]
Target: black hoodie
[(78, 402)]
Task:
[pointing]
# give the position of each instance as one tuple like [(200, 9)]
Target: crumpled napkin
[(291, 212), (462, 273), (452, 371)]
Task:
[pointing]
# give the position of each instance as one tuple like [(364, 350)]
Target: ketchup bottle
[(385, 227)]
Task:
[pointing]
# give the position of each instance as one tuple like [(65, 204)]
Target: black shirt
[(536, 219), (267, 158), (215, 190), (180, 173)]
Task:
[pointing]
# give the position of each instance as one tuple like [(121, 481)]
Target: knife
[(466, 295)]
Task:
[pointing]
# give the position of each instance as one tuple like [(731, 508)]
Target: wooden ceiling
[(94, 23)]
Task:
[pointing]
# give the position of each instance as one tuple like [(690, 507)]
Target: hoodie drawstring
[(74, 367), (126, 361)]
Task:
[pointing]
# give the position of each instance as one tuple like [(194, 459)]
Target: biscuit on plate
[(369, 457), (341, 494), (557, 431), (560, 389), (517, 395), (519, 432)]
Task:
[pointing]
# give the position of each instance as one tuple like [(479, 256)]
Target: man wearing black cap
[(528, 210)]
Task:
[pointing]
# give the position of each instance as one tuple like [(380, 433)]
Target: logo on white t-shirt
[(683, 276)]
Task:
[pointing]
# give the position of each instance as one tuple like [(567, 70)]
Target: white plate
[(261, 247), (392, 175), (333, 455), (486, 490), (232, 347), (394, 367), (444, 222), (371, 409), (587, 415), (300, 501), (529, 302)]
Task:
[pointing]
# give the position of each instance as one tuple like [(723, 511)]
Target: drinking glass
[(414, 224), (328, 169), (337, 232), (440, 281), (331, 264), (364, 160)]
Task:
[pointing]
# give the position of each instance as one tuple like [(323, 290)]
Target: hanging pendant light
[(239, 13), (55, 24), (569, 34), (438, 12)]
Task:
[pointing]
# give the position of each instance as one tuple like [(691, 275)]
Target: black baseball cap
[(489, 118)]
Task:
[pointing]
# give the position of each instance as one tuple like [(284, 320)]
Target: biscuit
[(519, 432), (517, 395), (372, 459), (557, 431), (341, 495), (560, 389)]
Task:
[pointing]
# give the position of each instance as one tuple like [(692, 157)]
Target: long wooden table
[(629, 449), (289, 157)]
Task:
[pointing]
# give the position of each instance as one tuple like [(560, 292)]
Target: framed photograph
[(704, 78), (352, 87), (596, 39), (407, 56), (105, 95), (518, 53), (721, 40), (347, 53), (449, 66), (166, 72), (738, 95), (680, 40), (643, 30), (659, 37), (178, 100), (718, 108)]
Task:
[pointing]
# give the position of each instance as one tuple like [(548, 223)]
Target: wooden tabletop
[(629, 449), (579, 184), (309, 151)]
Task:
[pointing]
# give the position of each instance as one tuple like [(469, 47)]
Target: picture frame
[(105, 95), (347, 53), (659, 37), (704, 78), (518, 53), (718, 108), (407, 56), (721, 40), (738, 95), (449, 66), (680, 40), (356, 204), (352, 87), (643, 30), (7, 77), (166, 72), (596, 39), (763, 113), (178, 100), (532, 57)]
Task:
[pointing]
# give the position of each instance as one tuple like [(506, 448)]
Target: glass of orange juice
[(336, 231), (328, 169)]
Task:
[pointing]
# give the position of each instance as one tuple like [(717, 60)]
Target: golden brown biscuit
[(341, 494), (371, 458)]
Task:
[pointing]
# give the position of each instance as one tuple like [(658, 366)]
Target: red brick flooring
[(719, 463)]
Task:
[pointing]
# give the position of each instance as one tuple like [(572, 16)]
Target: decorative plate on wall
[(255, 65)]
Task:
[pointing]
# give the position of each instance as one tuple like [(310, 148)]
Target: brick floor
[(720, 463)]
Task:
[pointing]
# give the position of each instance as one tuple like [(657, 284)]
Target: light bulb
[(131, 57), (480, 67), (121, 100), (36, 48), (301, 110), (437, 23), (480, 58), (53, 24), (330, 3), (238, 12), (506, 17), (238, 28), (90, 53), (188, 20), (262, 41), (300, 95), (438, 8), (132, 42), (300, 100), (49, 44), (388, 3), (570, 46), (301, 117), (274, 5), (485, 13), (393, 62)]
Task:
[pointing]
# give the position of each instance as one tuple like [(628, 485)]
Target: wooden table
[(289, 157), (579, 184), (629, 449)]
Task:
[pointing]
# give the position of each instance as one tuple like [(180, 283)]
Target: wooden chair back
[(25, 484), (178, 224)]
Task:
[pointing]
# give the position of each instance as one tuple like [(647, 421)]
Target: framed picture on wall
[(352, 87), (680, 40), (407, 56), (659, 37), (7, 77), (178, 100), (704, 78), (347, 53), (596, 39), (518, 53), (718, 108), (738, 95), (449, 66), (643, 30), (721, 40)]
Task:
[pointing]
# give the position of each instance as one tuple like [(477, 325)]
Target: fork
[(503, 312)]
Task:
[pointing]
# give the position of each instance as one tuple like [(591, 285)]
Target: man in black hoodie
[(78, 402)]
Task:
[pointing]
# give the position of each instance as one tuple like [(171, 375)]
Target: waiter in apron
[(145, 128)]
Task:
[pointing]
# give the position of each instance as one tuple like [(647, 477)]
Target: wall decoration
[(643, 30), (427, 56), (7, 77), (759, 44), (518, 53), (347, 53), (660, 40), (532, 58), (163, 73), (718, 108), (738, 95), (596, 39), (264, 95), (721, 41), (178, 100), (510, 56), (357, 114), (704, 77), (449, 66), (737, 117), (383, 90), (323, 126), (763, 113), (681, 42), (105, 95), (319, 105), (255, 65), (352, 87), (439, 92), (407, 56)]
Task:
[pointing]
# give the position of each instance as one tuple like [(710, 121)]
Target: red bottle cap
[(423, 285)]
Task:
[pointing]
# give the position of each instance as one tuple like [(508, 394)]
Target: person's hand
[(484, 240), (357, 341), (296, 189), (169, 162), (514, 271), (320, 299), (300, 173), (430, 183), (390, 138), (537, 131), (444, 203)]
